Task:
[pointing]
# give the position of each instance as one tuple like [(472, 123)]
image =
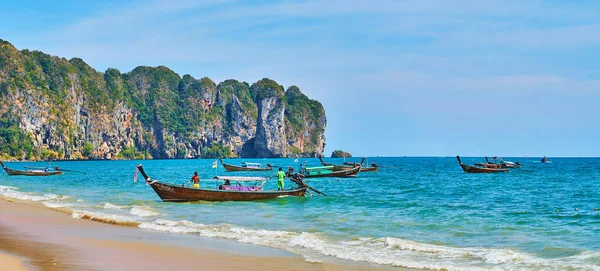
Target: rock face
[(53, 108), (340, 154), (270, 134)]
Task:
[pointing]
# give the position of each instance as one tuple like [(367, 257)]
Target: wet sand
[(39, 238), (11, 263)]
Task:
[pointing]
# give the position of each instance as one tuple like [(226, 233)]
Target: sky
[(396, 78)]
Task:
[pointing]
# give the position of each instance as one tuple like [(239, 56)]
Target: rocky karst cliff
[(54, 108)]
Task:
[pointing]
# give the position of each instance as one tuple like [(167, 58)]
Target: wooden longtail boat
[(502, 164), (476, 169), (180, 193), (30, 172), (326, 171), (246, 166), (348, 165)]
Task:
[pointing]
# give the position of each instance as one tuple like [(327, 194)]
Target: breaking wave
[(387, 251)]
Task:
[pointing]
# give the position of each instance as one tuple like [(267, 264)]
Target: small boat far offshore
[(477, 169), (31, 172), (246, 166), (325, 171), (501, 164), (349, 165)]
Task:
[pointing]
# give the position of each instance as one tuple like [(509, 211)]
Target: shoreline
[(43, 238)]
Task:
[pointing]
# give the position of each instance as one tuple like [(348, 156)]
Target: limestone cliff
[(54, 108)]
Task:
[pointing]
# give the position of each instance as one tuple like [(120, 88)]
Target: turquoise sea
[(421, 213)]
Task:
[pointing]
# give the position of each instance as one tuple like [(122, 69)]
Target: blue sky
[(414, 78)]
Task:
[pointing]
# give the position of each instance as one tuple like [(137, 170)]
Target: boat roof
[(240, 178), (250, 163)]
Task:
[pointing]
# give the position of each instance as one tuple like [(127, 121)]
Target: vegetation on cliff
[(340, 154), (54, 108)]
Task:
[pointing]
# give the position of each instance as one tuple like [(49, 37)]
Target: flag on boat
[(214, 164)]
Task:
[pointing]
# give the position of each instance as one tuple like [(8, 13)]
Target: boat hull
[(237, 168), (340, 174), (471, 169), (174, 193), (349, 167), (229, 167), (30, 172)]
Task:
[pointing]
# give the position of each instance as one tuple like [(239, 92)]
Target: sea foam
[(387, 251), (143, 211), (14, 193)]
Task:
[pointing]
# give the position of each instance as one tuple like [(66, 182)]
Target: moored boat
[(502, 164), (31, 172), (326, 171), (246, 166), (224, 192), (350, 165), (479, 169)]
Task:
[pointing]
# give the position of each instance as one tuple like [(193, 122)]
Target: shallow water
[(415, 212)]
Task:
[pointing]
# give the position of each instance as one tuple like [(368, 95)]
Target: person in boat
[(196, 180), (225, 186), (280, 178), (46, 169)]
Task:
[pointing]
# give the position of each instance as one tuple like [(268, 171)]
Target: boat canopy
[(240, 178), (251, 164)]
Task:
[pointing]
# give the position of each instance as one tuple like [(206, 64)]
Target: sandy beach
[(11, 263), (38, 238)]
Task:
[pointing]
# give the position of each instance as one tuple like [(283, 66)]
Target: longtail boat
[(477, 169), (246, 166), (223, 192), (502, 164), (31, 172), (325, 171), (350, 165)]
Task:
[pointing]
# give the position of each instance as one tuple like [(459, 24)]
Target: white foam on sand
[(387, 251), (109, 205), (143, 211), (104, 217), (14, 193)]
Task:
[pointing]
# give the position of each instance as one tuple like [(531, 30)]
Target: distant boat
[(479, 169), (351, 165), (32, 172), (224, 192), (502, 164), (246, 166), (325, 171), (544, 159)]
